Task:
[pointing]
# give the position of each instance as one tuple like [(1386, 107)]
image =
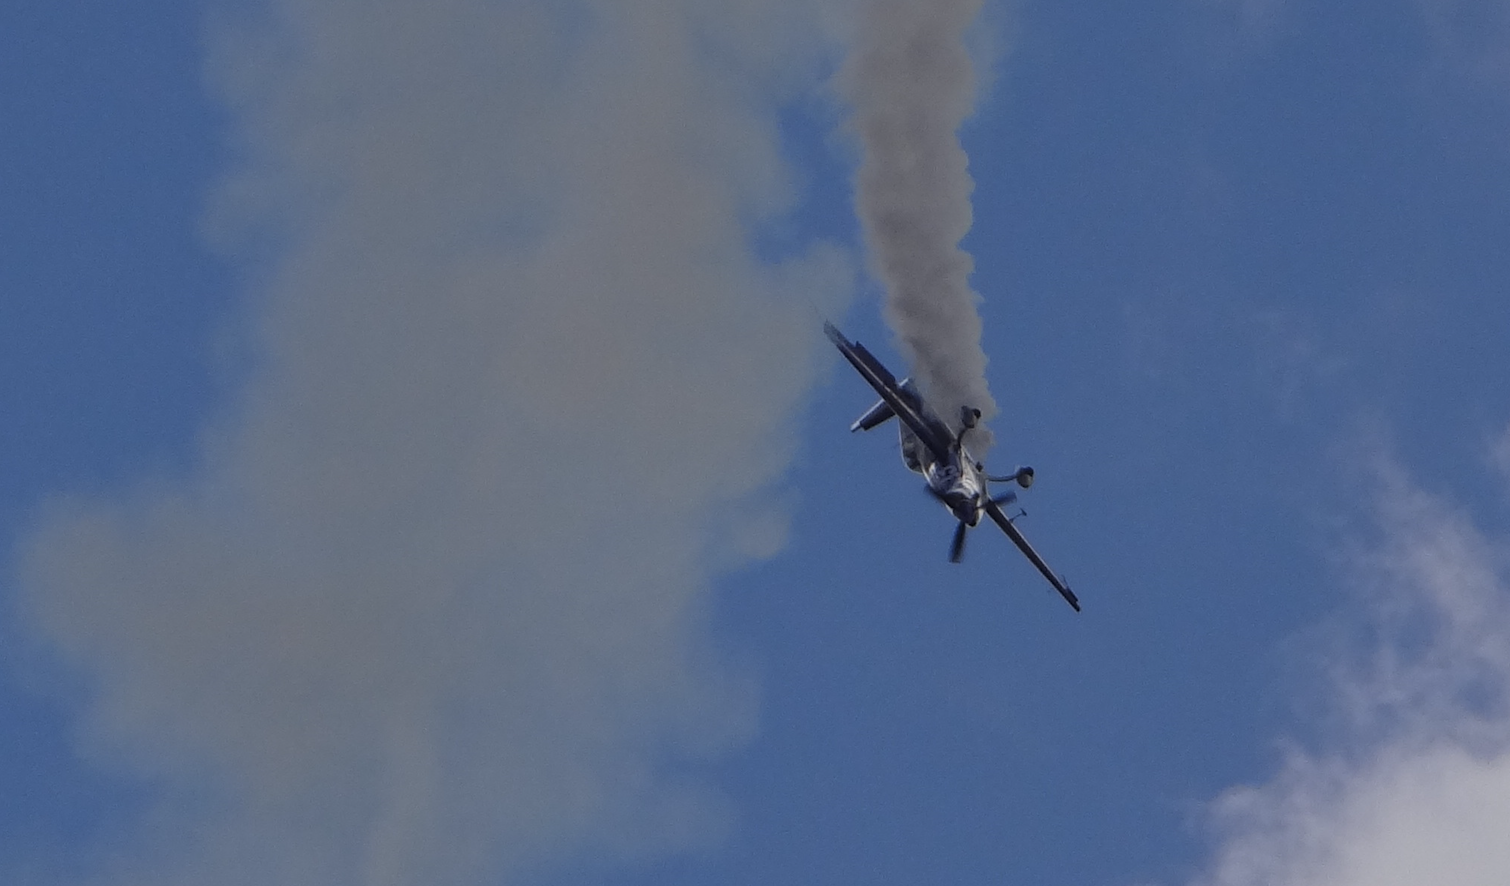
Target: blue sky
[(422, 463)]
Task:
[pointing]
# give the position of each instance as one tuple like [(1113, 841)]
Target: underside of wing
[(994, 510), (885, 384)]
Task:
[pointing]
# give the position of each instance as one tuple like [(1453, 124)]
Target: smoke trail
[(431, 608), (911, 82)]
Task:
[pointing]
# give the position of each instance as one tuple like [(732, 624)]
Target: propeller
[(957, 545)]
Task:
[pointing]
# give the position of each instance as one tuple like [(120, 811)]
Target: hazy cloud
[(1499, 455), (1416, 787), (1228, 32), (1251, 19), (1472, 38), (431, 608)]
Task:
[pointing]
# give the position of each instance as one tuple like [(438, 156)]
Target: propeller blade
[(957, 546)]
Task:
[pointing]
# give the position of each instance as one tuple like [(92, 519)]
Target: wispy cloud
[(1472, 38), (1415, 784), (1499, 455), (431, 608), (1235, 29)]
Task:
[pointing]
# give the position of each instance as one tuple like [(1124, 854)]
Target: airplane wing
[(1022, 544), (878, 377)]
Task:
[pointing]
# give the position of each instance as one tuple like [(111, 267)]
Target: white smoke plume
[(430, 609), (1417, 788), (911, 81)]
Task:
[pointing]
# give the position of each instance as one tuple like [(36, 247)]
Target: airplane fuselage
[(954, 481)]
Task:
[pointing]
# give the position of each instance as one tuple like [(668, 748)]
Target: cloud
[(431, 608), (1499, 455), (1415, 787)]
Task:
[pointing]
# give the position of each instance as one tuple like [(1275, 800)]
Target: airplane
[(931, 448)]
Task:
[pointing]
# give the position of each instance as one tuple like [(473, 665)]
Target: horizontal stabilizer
[(905, 403), (876, 415)]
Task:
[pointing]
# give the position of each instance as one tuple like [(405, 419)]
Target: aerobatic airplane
[(931, 448)]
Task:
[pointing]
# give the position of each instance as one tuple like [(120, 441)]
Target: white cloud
[(431, 608), (1436, 814), (1416, 786)]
